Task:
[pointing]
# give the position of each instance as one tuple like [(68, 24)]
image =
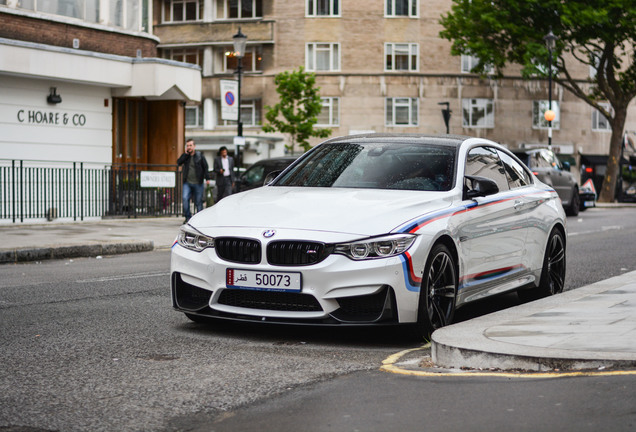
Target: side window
[(517, 176), (255, 174), (537, 160), (551, 160), (484, 162), (556, 162)]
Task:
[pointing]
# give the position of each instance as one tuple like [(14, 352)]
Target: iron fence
[(128, 197), (38, 190)]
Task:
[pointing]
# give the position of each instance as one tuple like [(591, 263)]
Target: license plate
[(263, 280), (588, 204)]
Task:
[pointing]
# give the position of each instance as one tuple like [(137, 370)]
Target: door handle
[(518, 204)]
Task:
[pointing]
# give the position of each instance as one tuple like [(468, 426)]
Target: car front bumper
[(337, 290)]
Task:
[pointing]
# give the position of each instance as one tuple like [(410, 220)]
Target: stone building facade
[(381, 66)]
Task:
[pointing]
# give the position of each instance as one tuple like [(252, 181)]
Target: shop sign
[(160, 179), (37, 117)]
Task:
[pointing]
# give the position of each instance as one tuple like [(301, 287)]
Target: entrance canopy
[(151, 78)]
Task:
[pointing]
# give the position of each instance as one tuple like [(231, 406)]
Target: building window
[(402, 111), (186, 55), (194, 116), (182, 10), (538, 114), (322, 57), (478, 113), (469, 62), (400, 8), (251, 61), (596, 60), (401, 57), (250, 113), (600, 123), (317, 8), (330, 113), (242, 9), (125, 14)]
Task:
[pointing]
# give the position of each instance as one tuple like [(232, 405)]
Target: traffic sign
[(229, 100)]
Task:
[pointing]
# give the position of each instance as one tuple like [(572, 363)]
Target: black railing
[(129, 197), (32, 190)]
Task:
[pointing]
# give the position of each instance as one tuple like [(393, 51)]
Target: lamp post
[(446, 114), (550, 41), (240, 40)]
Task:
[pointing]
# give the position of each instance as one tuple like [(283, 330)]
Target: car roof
[(443, 140), (277, 159), (528, 151)]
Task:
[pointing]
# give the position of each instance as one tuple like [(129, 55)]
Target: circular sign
[(229, 98)]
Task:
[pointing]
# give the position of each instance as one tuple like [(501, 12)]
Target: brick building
[(381, 67), (81, 81)]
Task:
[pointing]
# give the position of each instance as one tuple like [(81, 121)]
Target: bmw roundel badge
[(269, 233)]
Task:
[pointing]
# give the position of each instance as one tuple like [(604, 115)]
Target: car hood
[(351, 211)]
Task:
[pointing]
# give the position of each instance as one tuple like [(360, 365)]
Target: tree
[(598, 33), (299, 106)]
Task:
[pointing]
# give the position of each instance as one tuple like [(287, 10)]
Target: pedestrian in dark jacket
[(224, 169), (195, 170)]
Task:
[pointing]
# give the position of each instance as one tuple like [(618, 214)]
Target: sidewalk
[(586, 328), (36, 242), (589, 327)]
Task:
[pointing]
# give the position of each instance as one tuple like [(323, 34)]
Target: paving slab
[(585, 328)]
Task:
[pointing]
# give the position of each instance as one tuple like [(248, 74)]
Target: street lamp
[(240, 40), (446, 114), (550, 41)]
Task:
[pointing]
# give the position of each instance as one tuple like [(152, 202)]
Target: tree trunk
[(608, 190)]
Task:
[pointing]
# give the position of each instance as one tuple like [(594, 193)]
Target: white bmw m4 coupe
[(374, 229)]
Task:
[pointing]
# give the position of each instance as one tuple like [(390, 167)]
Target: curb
[(479, 344), (58, 252)]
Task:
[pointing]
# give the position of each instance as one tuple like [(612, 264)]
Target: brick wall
[(61, 34)]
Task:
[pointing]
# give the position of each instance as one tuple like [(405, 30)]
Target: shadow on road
[(393, 336)]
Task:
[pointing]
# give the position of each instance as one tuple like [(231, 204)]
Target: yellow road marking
[(389, 365)]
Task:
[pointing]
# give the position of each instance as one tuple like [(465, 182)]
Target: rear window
[(523, 157)]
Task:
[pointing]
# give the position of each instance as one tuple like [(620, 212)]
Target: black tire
[(438, 292), (575, 203), (553, 271)]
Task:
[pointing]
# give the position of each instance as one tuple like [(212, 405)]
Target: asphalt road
[(94, 345), (376, 401), (601, 244)]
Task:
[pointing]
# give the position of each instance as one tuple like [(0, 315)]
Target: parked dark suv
[(549, 169), (255, 175)]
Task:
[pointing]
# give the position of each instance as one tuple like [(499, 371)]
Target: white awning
[(151, 78)]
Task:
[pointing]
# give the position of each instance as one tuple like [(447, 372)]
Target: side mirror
[(480, 186), (271, 176), (566, 166)]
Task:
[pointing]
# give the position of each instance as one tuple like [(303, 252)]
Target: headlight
[(376, 247), (193, 240)]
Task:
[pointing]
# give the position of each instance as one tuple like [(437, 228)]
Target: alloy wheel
[(556, 264), (441, 287)]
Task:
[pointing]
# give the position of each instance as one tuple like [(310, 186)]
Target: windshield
[(375, 166)]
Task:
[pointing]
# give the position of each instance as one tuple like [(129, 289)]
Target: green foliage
[(297, 110), (599, 33), (628, 174)]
